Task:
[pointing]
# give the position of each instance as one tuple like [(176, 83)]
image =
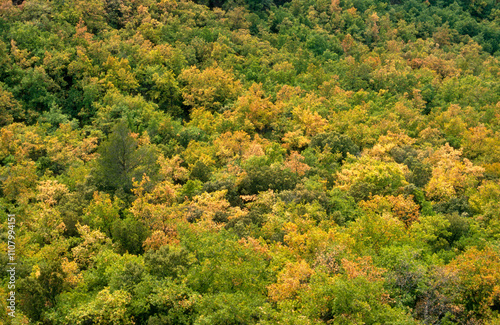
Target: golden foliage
[(451, 175), (293, 278)]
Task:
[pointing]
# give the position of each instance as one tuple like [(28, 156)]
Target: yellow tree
[(293, 278), (256, 108), (401, 207), (478, 271), (451, 175), (481, 144), (211, 88), (154, 210), (295, 162), (367, 176), (10, 108)]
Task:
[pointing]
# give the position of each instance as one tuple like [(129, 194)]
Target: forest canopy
[(250, 162)]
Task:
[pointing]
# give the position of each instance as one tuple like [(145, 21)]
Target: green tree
[(122, 160)]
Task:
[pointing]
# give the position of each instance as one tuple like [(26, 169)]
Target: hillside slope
[(250, 162)]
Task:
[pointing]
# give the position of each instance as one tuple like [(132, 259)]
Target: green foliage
[(173, 304), (230, 308), (363, 178), (122, 160), (107, 307), (191, 188), (251, 162), (346, 301), (435, 231), (169, 261), (336, 143), (225, 266), (129, 234), (262, 176), (407, 275), (41, 288), (102, 212)]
